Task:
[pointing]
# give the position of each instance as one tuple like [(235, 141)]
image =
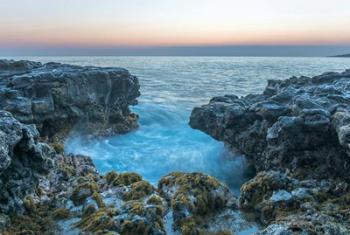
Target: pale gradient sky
[(116, 23)]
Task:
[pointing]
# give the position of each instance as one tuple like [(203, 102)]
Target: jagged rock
[(56, 97), (297, 124), (297, 136), (11, 67), (22, 158), (291, 206)]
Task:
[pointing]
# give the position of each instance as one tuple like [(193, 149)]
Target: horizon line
[(188, 50)]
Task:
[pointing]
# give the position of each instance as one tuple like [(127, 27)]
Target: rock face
[(297, 136), (296, 124), (22, 159), (56, 97)]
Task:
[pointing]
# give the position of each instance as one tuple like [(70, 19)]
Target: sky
[(236, 27)]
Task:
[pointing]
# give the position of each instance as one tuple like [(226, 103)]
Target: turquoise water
[(171, 87)]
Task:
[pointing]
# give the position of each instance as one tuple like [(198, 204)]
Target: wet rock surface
[(57, 97), (23, 160), (295, 124), (296, 135)]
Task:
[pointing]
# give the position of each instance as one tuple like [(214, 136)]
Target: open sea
[(170, 88)]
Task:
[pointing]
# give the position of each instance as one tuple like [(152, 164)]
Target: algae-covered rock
[(99, 222), (122, 179), (119, 203), (136, 217), (40, 221), (291, 206), (262, 186), (82, 191), (139, 190), (61, 213), (192, 196)]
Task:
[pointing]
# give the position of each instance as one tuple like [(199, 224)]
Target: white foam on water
[(164, 143)]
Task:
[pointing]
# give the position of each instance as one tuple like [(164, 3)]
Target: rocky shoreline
[(44, 191), (295, 134)]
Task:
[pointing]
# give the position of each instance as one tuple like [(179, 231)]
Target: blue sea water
[(171, 87)]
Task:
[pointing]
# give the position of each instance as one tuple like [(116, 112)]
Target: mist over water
[(164, 143), (171, 87)]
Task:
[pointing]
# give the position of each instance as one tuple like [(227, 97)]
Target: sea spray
[(164, 143)]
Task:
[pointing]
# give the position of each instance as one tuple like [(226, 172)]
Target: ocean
[(170, 88)]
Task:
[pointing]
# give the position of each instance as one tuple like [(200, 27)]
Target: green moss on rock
[(262, 186), (82, 191), (37, 222), (59, 147), (111, 177), (66, 170), (99, 222), (29, 204), (189, 227), (132, 227), (147, 219), (155, 200), (192, 196), (139, 190), (61, 213), (123, 179)]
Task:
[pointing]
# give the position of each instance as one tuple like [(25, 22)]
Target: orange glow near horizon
[(111, 23), (162, 38)]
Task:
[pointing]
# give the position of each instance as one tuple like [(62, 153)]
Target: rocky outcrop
[(290, 206), (57, 97), (343, 56), (23, 159), (296, 135), (297, 124), (54, 98)]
